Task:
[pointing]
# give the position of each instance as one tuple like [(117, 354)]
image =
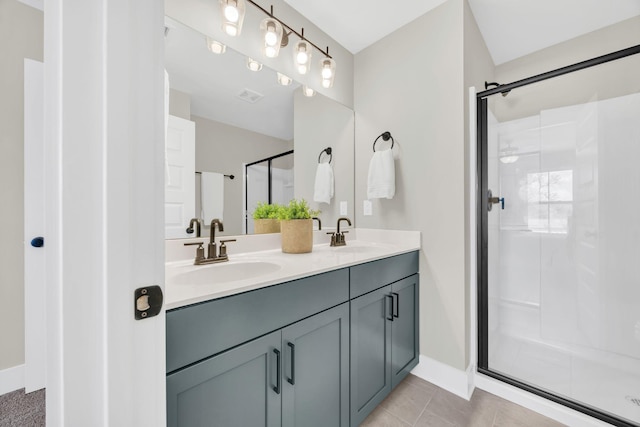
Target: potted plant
[(266, 218), (296, 227)]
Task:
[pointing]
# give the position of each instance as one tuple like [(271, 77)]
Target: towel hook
[(328, 151), (385, 137)]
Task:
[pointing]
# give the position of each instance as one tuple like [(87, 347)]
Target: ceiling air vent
[(250, 96)]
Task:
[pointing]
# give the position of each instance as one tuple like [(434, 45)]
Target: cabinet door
[(405, 350), (233, 389), (370, 352), (316, 370)]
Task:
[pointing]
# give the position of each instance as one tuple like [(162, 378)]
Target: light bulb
[(302, 57), (231, 13), (253, 65), (326, 83), (284, 80), (231, 30), (302, 69), (307, 91), (270, 37), (326, 73), (270, 52), (216, 47)]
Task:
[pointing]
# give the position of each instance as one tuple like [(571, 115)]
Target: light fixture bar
[(299, 34)]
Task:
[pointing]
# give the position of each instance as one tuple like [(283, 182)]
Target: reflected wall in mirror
[(241, 117)]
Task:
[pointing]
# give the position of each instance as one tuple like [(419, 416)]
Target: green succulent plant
[(297, 210), (268, 211)]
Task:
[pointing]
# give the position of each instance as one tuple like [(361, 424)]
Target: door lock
[(493, 200)]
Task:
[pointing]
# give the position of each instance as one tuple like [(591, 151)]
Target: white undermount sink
[(229, 271)]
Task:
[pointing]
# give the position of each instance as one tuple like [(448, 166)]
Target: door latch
[(147, 302), (494, 200)]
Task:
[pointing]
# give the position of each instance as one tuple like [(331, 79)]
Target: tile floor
[(418, 403)]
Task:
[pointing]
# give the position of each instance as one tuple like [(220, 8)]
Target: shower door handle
[(494, 200)]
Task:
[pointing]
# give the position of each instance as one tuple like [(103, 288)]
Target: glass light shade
[(284, 80), (302, 56), (328, 72), (232, 12), (272, 34), (253, 65), (271, 31), (215, 46), (307, 91)]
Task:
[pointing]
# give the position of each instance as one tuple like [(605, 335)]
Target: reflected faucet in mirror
[(198, 230)]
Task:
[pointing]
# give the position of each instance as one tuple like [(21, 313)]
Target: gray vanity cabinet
[(237, 388), (384, 329), (315, 371)]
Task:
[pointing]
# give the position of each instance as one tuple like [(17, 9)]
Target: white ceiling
[(511, 28)]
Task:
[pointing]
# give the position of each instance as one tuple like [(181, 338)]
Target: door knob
[(493, 200), (37, 242)]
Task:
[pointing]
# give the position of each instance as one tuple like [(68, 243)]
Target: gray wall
[(478, 68), (222, 148), (411, 84), (21, 36)]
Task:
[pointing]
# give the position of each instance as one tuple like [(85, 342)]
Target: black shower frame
[(483, 240), (246, 181)]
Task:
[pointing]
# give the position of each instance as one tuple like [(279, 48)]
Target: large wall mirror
[(237, 136)]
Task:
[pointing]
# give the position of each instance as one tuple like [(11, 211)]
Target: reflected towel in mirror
[(323, 189)]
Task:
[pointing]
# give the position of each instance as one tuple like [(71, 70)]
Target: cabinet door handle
[(277, 387), (389, 318), (396, 312), (292, 380)]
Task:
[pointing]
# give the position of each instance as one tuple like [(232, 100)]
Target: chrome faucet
[(212, 255), (337, 238), (195, 221)]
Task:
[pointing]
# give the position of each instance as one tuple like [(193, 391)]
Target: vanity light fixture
[(216, 47), (271, 37), (232, 16), (328, 72), (302, 51), (307, 91), (284, 80), (253, 65)]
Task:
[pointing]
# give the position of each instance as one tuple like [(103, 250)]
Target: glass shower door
[(563, 240)]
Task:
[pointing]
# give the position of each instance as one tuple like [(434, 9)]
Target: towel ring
[(328, 151), (385, 137)]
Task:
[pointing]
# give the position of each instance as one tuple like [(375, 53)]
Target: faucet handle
[(223, 247), (199, 251)]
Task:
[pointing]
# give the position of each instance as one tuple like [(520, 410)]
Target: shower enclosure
[(559, 235)]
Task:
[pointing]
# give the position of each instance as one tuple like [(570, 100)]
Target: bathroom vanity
[(321, 348)]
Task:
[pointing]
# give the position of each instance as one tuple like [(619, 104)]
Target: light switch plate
[(367, 208), (343, 208)]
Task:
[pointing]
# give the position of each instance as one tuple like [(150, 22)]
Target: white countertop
[(189, 284)]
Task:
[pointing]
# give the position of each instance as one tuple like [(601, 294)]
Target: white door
[(104, 170), (35, 331), (180, 190)]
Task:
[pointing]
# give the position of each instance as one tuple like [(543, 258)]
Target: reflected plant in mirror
[(249, 124)]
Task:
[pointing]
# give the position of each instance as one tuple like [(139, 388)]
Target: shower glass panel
[(563, 252), (282, 179), (257, 189)]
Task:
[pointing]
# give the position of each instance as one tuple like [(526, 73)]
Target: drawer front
[(373, 275), (202, 330)]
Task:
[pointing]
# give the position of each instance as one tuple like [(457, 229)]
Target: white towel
[(381, 182), (212, 193), (323, 189)]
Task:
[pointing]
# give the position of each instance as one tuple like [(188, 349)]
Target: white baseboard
[(538, 404), (444, 376), (11, 379)]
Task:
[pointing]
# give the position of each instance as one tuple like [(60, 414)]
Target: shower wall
[(566, 268)]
